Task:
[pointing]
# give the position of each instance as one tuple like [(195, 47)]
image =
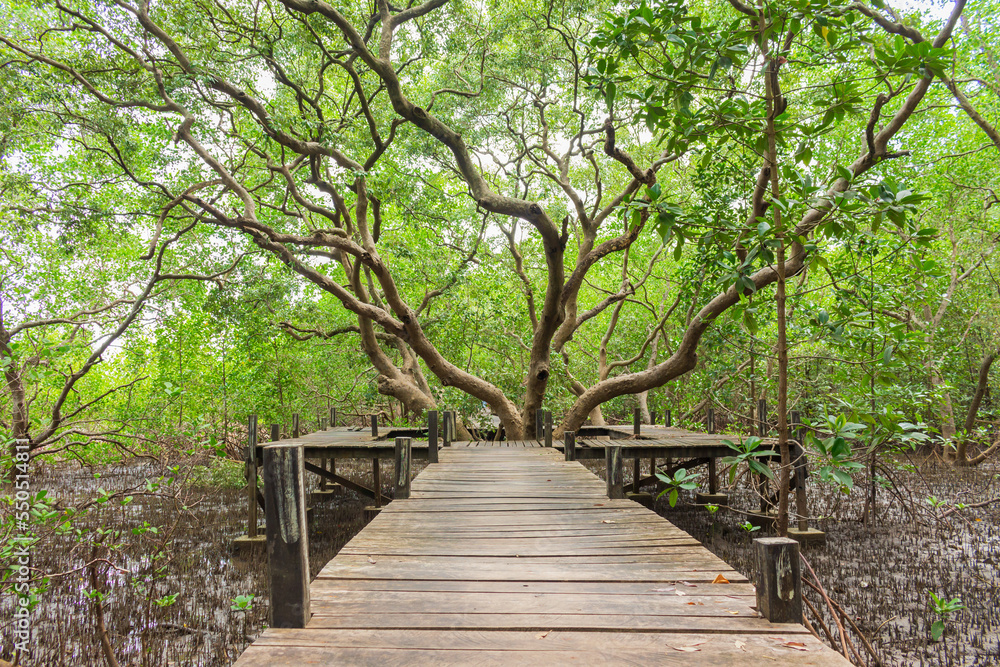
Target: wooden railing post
[(548, 428), (252, 476), (779, 582), (636, 421), (569, 445), (710, 420), (296, 431), (616, 474), (402, 469), (322, 423), (287, 535), (374, 426), (333, 417), (446, 429), (539, 421), (667, 420), (432, 436), (275, 433), (762, 418)]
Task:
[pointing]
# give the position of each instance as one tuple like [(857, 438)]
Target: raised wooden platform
[(513, 556)]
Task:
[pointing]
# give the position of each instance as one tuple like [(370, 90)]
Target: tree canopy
[(271, 205)]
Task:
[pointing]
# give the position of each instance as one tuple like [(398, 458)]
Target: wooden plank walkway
[(513, 556)]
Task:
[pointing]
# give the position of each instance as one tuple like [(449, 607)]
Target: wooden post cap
[(779, 580)]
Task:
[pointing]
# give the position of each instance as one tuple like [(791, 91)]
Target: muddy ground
[(880, 573)]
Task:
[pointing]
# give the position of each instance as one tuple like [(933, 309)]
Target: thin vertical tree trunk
[(774, 101)]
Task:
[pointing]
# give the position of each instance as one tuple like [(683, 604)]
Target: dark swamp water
[(880, 574)]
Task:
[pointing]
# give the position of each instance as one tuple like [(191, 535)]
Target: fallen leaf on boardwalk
[(741, 646), (607, 521), (798, 646), (371, 560), (688, 649), (734, 613), (681, 593), (719, 579), (543, 635), (687, 584)]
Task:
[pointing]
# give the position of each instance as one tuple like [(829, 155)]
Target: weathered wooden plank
[(543, 622)]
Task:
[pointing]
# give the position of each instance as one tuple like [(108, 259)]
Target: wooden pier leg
[(252, 477), (802, 532), (636, 421), (296, 431), (713, 497), (636, 474), (667, 419), (402, 469), (539, 421), (779, 582), (616, 475), (432, 436), (287, 535), (374, 426), (377, 482), (569, 445), (548, 428)]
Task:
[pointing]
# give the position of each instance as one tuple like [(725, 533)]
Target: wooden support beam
[(343, 481), (569, 445), (252, 476), (636, 474), (762, 418), (779, 582), (296, 431), (374, 419), (636, 421), (401, 476), (616, 475), (287, 535), (432, 436), (548, 428), (713, 477)]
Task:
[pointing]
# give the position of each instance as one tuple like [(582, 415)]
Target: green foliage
[(242, 603), (682, 479), (943, 608), (748, 451)]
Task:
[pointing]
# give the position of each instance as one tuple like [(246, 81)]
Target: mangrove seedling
[(682, 479), (943, 608)]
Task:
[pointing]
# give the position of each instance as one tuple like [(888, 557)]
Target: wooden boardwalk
[(513, 556)]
